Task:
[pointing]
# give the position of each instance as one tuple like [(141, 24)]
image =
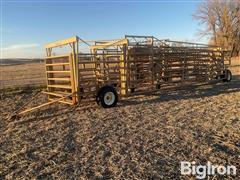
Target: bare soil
[(144, 137)]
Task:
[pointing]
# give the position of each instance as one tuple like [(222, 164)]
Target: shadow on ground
[(189, 91)]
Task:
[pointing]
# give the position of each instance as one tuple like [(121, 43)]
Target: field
[(20, 73), (145, 136)]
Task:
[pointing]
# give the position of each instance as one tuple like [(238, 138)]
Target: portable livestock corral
[(117, 68)]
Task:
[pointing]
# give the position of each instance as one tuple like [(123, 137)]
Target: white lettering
[(201, 171), (185, 168)]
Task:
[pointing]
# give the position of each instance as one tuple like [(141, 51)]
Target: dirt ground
[(144, 137)]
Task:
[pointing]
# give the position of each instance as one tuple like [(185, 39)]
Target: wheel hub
[(109, 98)]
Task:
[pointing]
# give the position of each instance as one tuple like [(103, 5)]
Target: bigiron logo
[(201, 171)]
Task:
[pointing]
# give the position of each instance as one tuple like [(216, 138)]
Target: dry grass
[(22, 75), (143, 137)]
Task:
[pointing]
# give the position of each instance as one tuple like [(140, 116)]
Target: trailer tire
[(81, 91), (227, 75), (158, 86), (107, 97), (132, 90)]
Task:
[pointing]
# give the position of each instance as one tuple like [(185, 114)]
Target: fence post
[(123, 78), (72, 77)]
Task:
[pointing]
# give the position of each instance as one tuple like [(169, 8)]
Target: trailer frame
[(127, 66)]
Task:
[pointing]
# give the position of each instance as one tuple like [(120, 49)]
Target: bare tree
[(222, 23)]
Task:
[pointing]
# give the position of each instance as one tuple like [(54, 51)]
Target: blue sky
[(28, 25)]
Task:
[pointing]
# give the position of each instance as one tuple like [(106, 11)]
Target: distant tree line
[(222, 23)]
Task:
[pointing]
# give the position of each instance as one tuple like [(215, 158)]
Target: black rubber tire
[(81, 91), (132, 90), (101, 94), (227, 75)]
